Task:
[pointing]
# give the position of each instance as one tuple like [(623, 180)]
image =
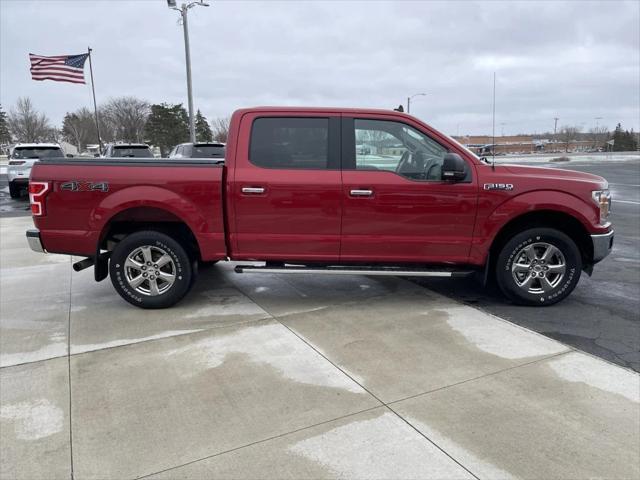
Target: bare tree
[(220, 127), (28, 125), (568, 134), (79, 128), (599, 135), (125, 118)]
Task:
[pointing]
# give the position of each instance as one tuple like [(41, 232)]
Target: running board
[(380, 271)]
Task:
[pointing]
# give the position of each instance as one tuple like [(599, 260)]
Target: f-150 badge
[(498, 186), (75, 186)]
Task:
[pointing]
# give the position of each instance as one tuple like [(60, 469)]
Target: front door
[(396, 206), (287, 188)]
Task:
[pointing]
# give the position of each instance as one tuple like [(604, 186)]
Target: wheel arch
[(137, 218), (558, 220)]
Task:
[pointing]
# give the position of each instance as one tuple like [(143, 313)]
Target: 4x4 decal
[(76, 186)]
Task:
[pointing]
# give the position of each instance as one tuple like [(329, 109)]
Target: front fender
[(489, 225)]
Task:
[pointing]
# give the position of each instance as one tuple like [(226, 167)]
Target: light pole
[(184, 9), (597, 132), (410, 97)]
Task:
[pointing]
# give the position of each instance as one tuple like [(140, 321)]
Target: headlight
[(603, 200)]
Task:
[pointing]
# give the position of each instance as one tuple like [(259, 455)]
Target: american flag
[(63, 68)]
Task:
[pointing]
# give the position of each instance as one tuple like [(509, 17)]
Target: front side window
[(397, 147), (290, 143)]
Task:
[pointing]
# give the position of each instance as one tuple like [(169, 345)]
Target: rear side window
[(290, 143)]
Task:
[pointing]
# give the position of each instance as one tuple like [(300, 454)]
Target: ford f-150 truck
[(323, 191)]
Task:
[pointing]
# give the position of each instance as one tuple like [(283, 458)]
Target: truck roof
[(128, 145), (37, 145), (324, 110)]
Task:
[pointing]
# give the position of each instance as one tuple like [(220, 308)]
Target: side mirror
[(453, 168)]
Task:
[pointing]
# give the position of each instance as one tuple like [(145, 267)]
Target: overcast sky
[(574, 60)]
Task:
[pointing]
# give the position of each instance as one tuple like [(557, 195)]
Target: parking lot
[(600, 317), (258, 376)]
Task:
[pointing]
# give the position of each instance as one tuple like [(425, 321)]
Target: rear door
[(396, 206), (286, 187)]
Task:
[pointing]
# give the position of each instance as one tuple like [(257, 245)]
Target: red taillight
[(17, 162), (37, 192)]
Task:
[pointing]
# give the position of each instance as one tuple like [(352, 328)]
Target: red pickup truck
[(323, 191)]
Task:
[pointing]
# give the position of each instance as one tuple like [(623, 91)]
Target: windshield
[(206, 151), (37, 152), (128, 151)]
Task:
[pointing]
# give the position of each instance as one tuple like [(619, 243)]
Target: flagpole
[(95, 105)]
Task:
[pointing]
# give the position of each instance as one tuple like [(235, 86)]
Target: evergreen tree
[(203, 130), (633, 141), (618, 140), (624, 140), (167, 126), (5, 136)]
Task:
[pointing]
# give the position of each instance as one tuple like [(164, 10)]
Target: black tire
[(14, 190), (181, 268), (539, 285)]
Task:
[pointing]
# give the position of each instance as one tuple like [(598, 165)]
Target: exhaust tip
[(82, 264)]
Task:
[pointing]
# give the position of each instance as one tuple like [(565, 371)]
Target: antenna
[(493, 147)]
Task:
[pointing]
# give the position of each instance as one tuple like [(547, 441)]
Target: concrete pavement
[(257, 376)]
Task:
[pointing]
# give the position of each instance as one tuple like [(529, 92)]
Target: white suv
[(22, 157)]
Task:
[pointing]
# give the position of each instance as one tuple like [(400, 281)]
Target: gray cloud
[(575, 60)]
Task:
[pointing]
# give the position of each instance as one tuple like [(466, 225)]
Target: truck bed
[(90, 195)]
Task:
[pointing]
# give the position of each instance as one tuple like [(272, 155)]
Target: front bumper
[(602, 245), (33, 238)]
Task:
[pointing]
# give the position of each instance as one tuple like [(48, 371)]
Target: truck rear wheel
[(150, 270), (539, 266)]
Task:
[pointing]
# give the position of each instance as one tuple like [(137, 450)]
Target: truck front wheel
[(539, 266), (150, 270), (14, 190)]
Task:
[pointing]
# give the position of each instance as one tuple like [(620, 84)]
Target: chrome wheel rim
[(150, 270), (538, 268)]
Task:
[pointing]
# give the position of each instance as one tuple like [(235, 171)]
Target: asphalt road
[(601, 317)]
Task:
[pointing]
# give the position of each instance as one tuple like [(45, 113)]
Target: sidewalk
[(256, 376)]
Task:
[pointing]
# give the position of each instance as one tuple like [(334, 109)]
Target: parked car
[(198, 150), (295, 194), (22, 157), (130, 150)]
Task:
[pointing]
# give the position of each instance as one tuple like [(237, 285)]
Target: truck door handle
[(253, 190), (361, 193)]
